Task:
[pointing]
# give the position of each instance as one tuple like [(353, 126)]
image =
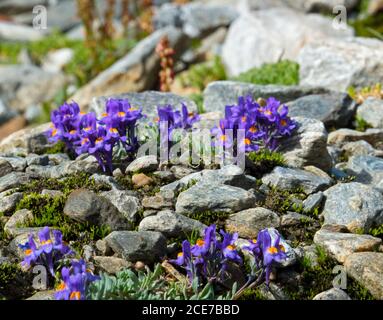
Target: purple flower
[(75, 281), (47, 252), (229, 248), (188, 118), (203, 246), (184, 259)]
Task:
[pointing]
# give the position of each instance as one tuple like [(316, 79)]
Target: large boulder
[(256, 38), (219, 94), (354, 205), (338, 64), (367, 170), (137, 71), (371, 111)]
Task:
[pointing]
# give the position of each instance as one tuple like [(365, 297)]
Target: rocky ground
[(324, 194)]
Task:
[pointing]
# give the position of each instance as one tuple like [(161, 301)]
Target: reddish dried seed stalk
[(108, 28), (166, 53), (125, 15)]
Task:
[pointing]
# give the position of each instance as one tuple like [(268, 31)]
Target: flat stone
[(371, 111), (13, 180), (17, 163), (143, 164), (335, 110), (85, 206), (171, 224), (367, 269), (341, 245), (10, 31), (34, 159), (367, 169), (140, 180), (219, 94), (156, 202), (8, 202), (291, 178), (146, 246), (332, 294), (29, 140), (359, 148), (338, 64), (111, 265), (293, 219), (313, 201), (5, 167), (18, 218), (354, 205), (221, 198), (343, 136), (43, 295), (128, 205), (249, 222)]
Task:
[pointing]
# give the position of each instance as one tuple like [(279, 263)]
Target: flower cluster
[(208, 259), (75, 281), (45, 251), (84, 133), (266, 250), (263, 124), (168, 120)]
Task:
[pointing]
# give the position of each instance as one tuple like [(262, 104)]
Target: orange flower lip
[(28, 252), (180, 254), (75, 295), (272, 250), (231, 247), (121, 114), (200, 242)]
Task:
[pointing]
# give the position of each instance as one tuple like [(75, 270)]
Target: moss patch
[(264, 161), (14, 283), (281, 73), (210, 217)]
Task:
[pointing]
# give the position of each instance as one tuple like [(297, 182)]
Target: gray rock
[(17, 163), (143, 164), (338, 65), (5, 167), (8, 202), (307, 145), (34, 159), (249, 222), (111, 265), (171, 224), (343, 136), (6, 113), (322, 5), (293, 219), (128, 205), (106, 180), (219, 94), (341, 245), (359, 148), (10, 31), (367, 269), (181, 171), (195, 19), (228, 175), (313, 201), (291, 178), (43, 295), (332, 294), (260, 32), (58, 158), (221, 198), (28, 140), (156, 202), (18, 218), (85, 206), (367, 169), (335, 110), (165, 176), (18, 6), (145, 246), (24, 85), (56, 60), (13, 180), (140, 69), (371, 111), (353, 205)]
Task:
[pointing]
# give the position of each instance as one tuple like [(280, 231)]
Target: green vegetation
[(264, 161), (200, 75), (369, 26), (314, 278), (359, 96), (361, 124), (252, 294), (149, 285), (59, 147), (356, 291), (282, 73), (210, 217), (281, 201), (48, 211), (377, 232), (14, 283), (198, 99)]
